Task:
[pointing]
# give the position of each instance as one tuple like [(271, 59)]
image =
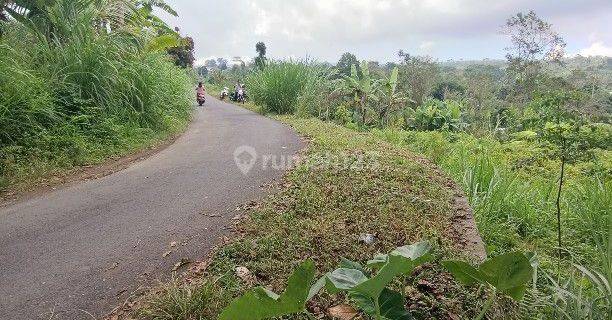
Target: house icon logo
[(245, 158)]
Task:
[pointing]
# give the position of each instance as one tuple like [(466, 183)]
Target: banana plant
[(435, 115), (507, 274), (361, 87), (391, 98)]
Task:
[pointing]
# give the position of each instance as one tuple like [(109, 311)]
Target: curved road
[(82, 249)]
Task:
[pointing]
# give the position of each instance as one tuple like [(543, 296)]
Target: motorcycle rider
[(237, 87), (200, 93), (200, 90)]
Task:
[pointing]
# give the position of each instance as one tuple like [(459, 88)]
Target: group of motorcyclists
[(239, 94)]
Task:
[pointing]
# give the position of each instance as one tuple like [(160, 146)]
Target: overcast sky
[(377, 29)]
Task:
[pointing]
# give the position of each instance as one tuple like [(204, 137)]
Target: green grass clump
[(512, 188), (278, 86), (82, 96)]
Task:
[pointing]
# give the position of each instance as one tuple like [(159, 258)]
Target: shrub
[(278, 86), (82, 98)]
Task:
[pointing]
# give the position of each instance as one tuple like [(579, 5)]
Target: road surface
[(79, 251)]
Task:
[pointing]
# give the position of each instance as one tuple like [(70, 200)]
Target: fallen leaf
[(342, 312), (167, 253)]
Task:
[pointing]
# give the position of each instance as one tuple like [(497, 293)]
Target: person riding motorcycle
[(200, 94)]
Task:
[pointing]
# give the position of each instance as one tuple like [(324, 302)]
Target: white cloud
[(596, 49), (376, 29)]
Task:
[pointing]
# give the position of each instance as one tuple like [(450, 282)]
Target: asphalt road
[(79, 251)]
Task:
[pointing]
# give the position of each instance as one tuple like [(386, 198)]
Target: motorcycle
[(224, 93), (201, 98), (239, 96)]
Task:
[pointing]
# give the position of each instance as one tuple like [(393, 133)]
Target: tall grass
[(511, 187), (82, 94), (279, 85)]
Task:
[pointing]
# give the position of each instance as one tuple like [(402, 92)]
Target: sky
[(377, 29)]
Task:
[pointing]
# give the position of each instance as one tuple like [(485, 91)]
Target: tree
[(417, 76), (260, 60), (533, 41), (444, 88), (222, 63), (260, 47), (210, 64), (562, 131), (183, 54), (345, 64)]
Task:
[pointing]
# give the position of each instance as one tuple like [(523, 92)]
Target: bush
[(81, 99), (277, 87)]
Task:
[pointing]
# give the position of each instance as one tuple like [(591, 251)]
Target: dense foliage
[(74, 92)]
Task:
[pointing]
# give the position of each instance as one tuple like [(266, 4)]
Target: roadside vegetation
[(352, 196), (82, 81), (528, 140)]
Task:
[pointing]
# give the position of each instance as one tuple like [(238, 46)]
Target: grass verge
[(348, 184)]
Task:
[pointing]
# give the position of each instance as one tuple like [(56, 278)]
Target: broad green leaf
[(163, 42), (378, 261), (396, 265), (317, 286), (346, 279), (354, 72), (400, 261), (464, 272), (414, 252), (391, 305), (393, 80), (261, 303), (508, 271), (348, 264), (363, 302)]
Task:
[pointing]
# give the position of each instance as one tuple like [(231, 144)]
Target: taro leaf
[(464, 272), (415, 252), (348, 264), (400, 261), (317, 286), (344, 279), (378, 261), (261, 303), (508, 273), (396, 265), (391, 305)]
